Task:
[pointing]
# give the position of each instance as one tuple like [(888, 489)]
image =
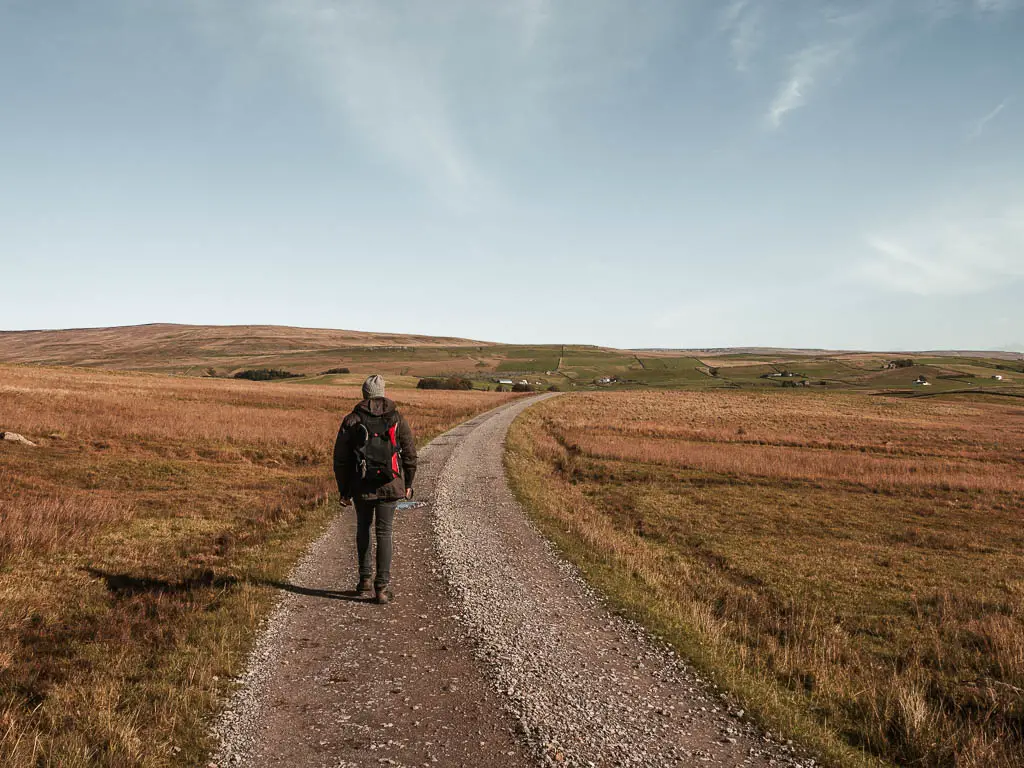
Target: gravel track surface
[(495, 652), (586, 687)]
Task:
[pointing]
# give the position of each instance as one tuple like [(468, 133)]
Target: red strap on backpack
[(392, 434)]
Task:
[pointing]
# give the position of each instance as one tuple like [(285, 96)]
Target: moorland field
[(144, 538), (837, 545), (850, 565)]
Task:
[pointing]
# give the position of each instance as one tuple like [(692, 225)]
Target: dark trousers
[(380, 514)]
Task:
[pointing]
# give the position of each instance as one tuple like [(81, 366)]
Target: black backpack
[(376, 447)]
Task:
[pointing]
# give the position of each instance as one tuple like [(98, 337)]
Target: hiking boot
[(365, 588), (384, 595)]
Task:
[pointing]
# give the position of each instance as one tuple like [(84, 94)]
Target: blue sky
[(652, 173)]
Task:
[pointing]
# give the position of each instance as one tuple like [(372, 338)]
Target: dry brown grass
[(32, 524), (139, 546), (800, 463), (850, 565)]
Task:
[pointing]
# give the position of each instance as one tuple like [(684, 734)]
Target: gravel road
[(495, 652)]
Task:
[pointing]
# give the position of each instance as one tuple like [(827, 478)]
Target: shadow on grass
[(127, 585)]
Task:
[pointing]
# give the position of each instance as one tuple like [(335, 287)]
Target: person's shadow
[(328, 594), (128, 585)]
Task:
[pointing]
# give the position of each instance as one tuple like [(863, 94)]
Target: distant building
[(998, 377), (921, 381), (505, 381)]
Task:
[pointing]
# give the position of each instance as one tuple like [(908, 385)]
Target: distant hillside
[(1010, 353), (168, 347), (344, 357)]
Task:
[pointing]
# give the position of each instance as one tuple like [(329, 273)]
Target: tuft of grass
[(873, 614)]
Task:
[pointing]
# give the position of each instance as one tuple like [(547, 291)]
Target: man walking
[(374, 464)]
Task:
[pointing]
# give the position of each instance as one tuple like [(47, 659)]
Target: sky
[(651, 173)]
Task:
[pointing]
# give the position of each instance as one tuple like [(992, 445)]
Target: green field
[(528, 365)]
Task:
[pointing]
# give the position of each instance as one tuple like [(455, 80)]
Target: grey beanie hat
[(373, 387)]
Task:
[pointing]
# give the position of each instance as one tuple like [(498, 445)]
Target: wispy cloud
[(979, 125), (383, 83), (412, 83), (953, 251), (806, 70), (837, 33), (744, 24), (903, 269)]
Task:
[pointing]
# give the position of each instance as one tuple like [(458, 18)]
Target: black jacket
[(349, 483)]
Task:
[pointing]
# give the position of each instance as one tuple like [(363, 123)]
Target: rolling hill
[(168, 347), (204, 350)]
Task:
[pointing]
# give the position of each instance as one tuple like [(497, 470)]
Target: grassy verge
[(872, 611), (140, 545)]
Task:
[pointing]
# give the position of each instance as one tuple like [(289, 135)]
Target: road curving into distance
[(495, 653)]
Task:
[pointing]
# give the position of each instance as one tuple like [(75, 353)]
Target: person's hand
[(408, 493), (345, 501)]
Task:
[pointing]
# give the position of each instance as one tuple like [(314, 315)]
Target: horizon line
[(705, 349)]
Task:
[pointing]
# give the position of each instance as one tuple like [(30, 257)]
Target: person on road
[(375, 464)]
